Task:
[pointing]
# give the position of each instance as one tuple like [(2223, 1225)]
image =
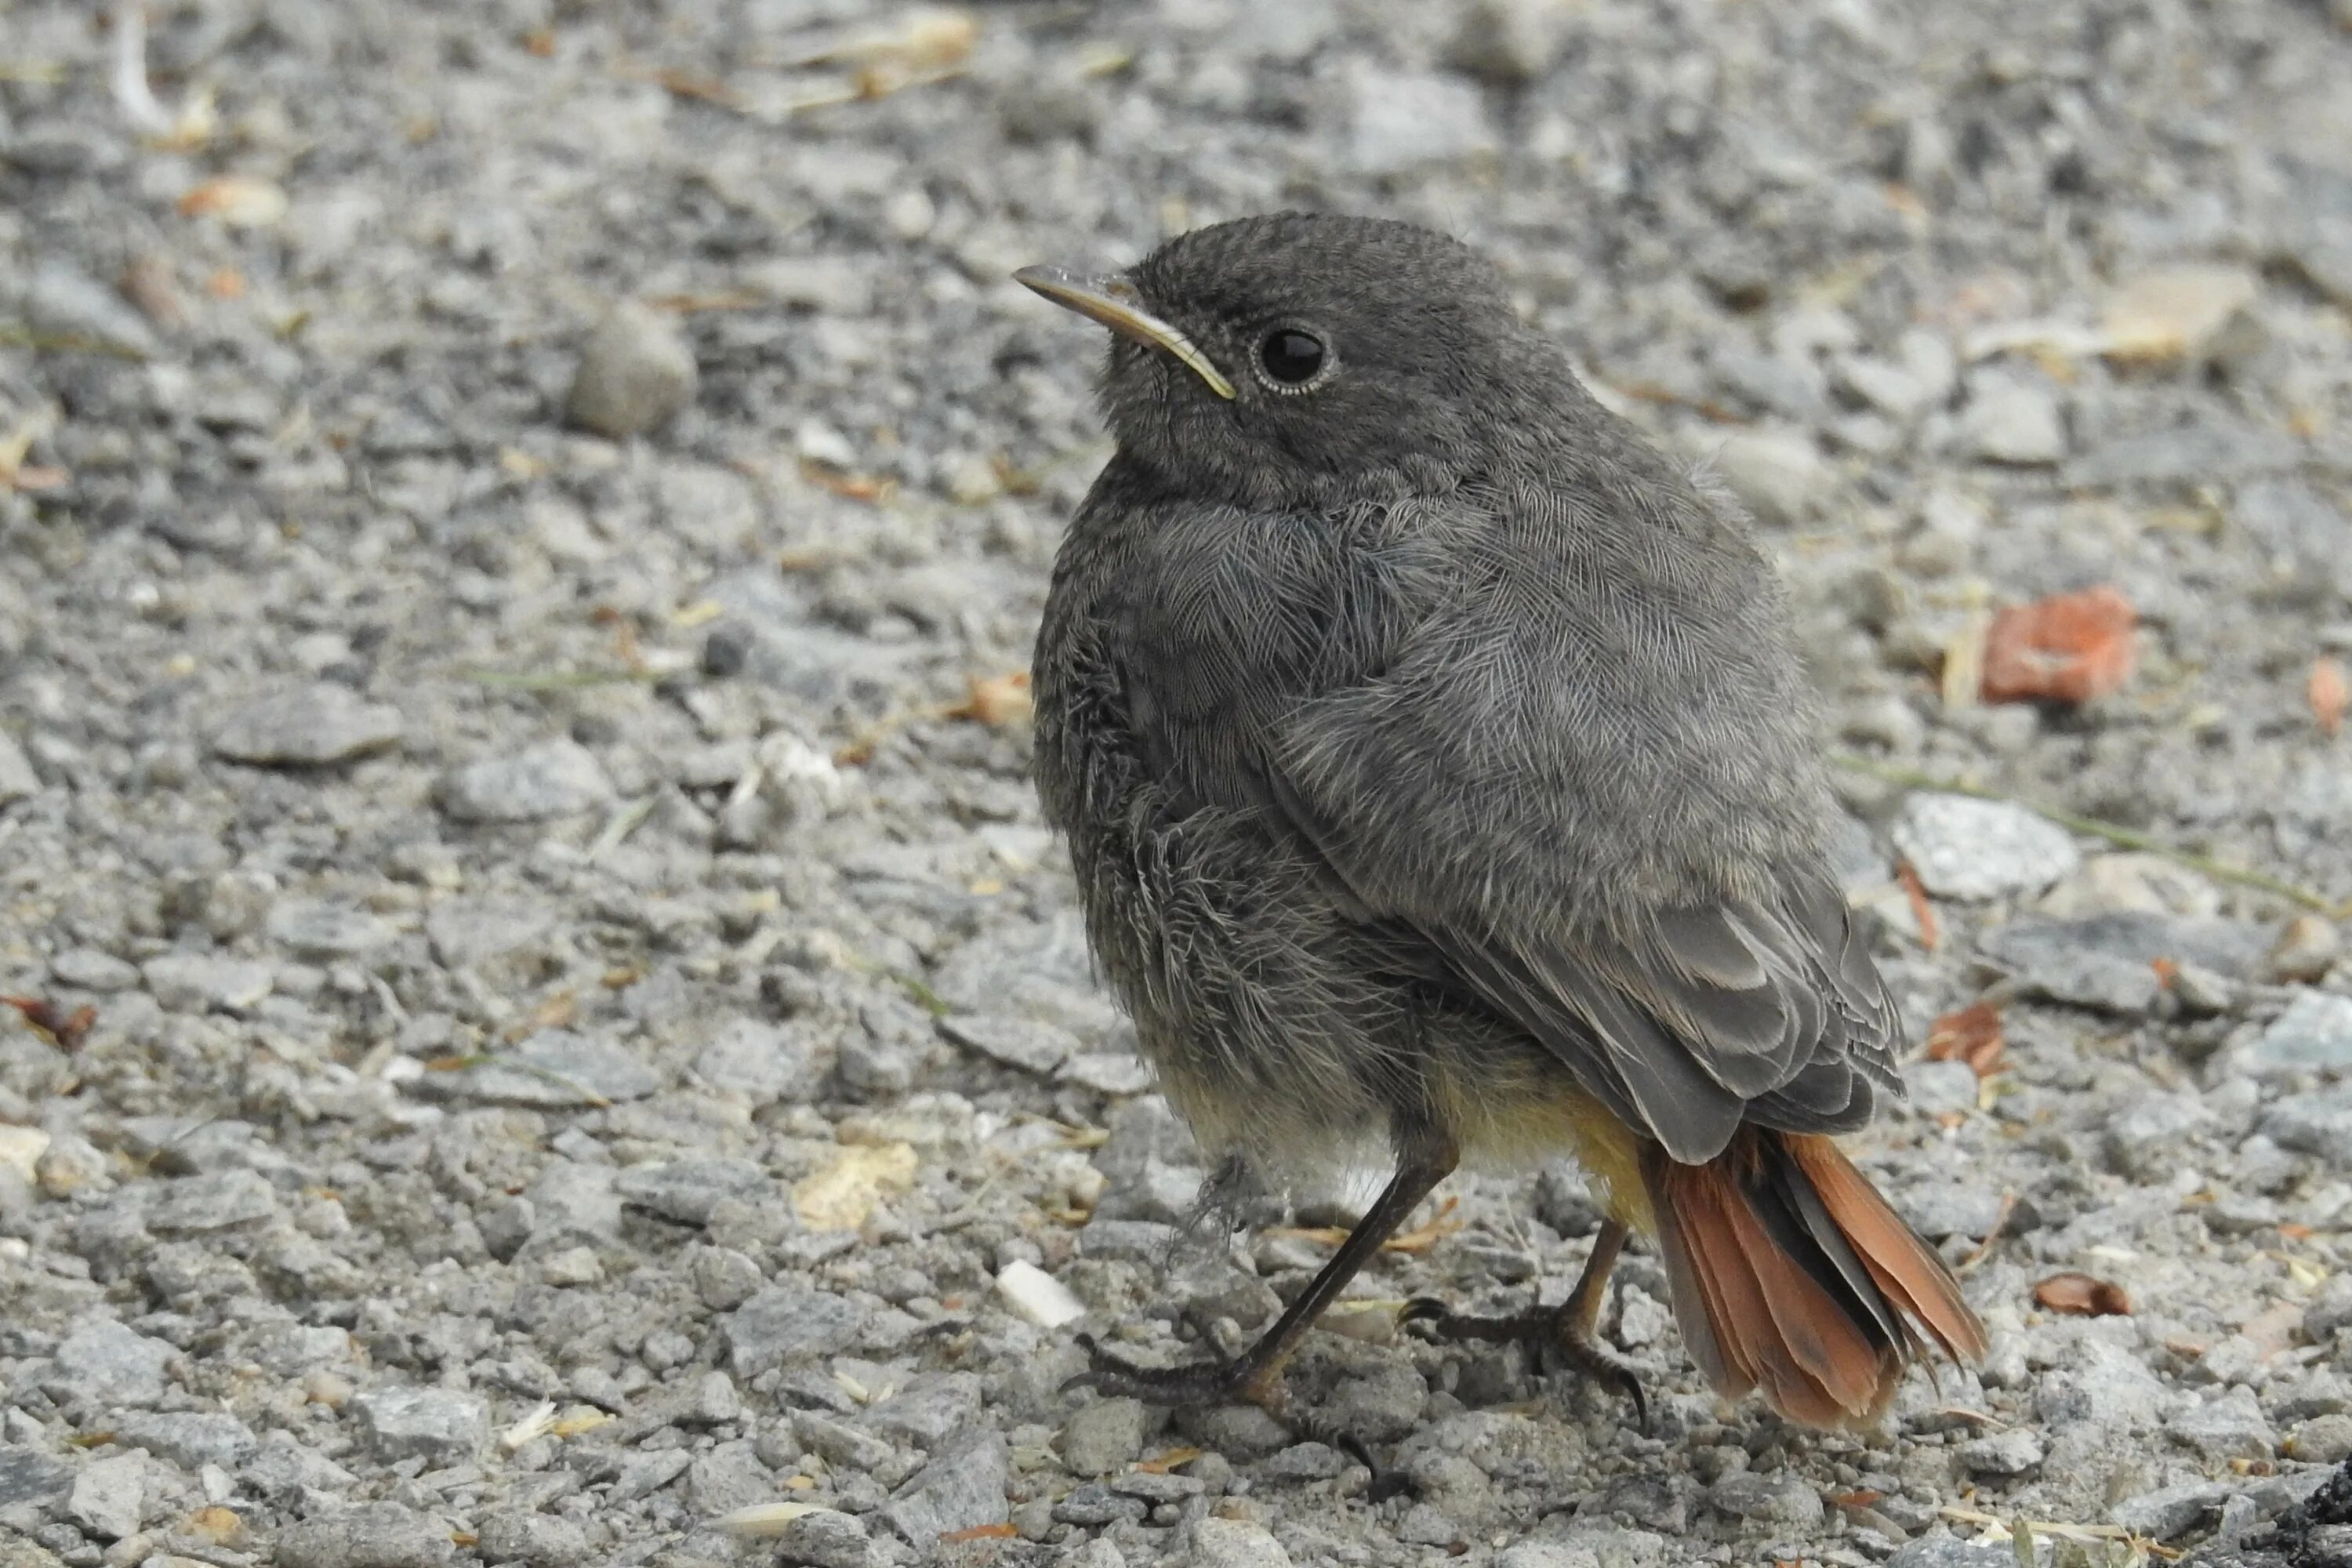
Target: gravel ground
[(513, 518)]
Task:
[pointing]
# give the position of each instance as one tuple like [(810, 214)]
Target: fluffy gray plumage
[(1424, 734)]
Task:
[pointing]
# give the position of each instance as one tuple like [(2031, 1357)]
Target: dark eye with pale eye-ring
[(1291, 357)]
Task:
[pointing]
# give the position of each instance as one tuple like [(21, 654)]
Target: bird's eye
[(1291, 357)]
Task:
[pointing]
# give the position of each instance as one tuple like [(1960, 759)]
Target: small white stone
[(818, 442), (1964, 847), (21, 1148), (2013, 421), (1038, 1296)]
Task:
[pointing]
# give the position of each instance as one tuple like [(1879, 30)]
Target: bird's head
[(1290, 358)]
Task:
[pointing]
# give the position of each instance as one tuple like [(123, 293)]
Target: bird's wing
[(1594, 800)]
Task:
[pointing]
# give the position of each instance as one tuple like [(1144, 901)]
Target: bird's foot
[(1206, 1384), (1551, 1335), (1190, 1386)]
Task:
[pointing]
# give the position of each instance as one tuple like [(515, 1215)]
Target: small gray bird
[(1441, 783)]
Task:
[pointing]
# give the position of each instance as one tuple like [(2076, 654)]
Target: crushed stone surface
[(564, 1036)]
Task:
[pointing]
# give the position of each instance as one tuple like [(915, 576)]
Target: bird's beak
[(1114, 303)]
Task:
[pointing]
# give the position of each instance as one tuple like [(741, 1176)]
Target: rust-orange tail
[(1793, 1277)]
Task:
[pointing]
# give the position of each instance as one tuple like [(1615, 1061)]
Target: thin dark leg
[(1570, 1331), (1255, 1375)]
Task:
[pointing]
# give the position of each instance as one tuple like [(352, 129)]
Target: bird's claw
[(1550, 1336), (1221, 1381)]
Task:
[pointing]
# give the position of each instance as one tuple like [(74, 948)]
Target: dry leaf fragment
[(999, 701), (840, 1195), (239, 201), (216, 1526), (60, 1028), (766, 1518), (2177, 312), (2083, 1296), (2069, 648), (867, 488), (1973, 1035), (1000, 1532), (2328, 692)]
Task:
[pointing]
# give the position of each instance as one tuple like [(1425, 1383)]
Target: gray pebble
[(198, 983), (763, 1062), (477, 930), (190, 1440), (788, 1322), (2231, 1426), (1968, 848), (64, 300), (1781, 474), (27, 1476), (962, 1488), (687, 1191), (2147, 1137), (540, 1539), (367, 1535), (2319, 1123), (287, 1468), (727, 1477), (555, 778), (2170, 1512), (723, 1277), (1940, 1210), (1104, 1436), (929, 1410), (103, 1363), (440, 1425), (89, 969), (2329, 1312), (1939, 1087), (1021, 1043), (1777, 1498), (2014, 421), (2105, 1386), (554, 1069), (111, 1498), (2016, 1452), (310, 726), (2212, 451), (2314, 1033), (644, 1474), (1093, 1505), (1401, 120), (1943, 1550), (17, 779), (325, 929), (635, 373), (827, 1540), (1380, 1405), (1233, 1544), (1425, 1525)]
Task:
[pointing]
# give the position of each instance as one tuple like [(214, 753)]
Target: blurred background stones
[(544, 1025)]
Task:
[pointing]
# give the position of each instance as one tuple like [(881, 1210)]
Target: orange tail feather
[(1791, 1275)]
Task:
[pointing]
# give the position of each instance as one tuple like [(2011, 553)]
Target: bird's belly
[(1258, 1004)]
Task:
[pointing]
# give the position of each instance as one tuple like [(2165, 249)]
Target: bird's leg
[(1255, 1375), (1570, 1331)]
